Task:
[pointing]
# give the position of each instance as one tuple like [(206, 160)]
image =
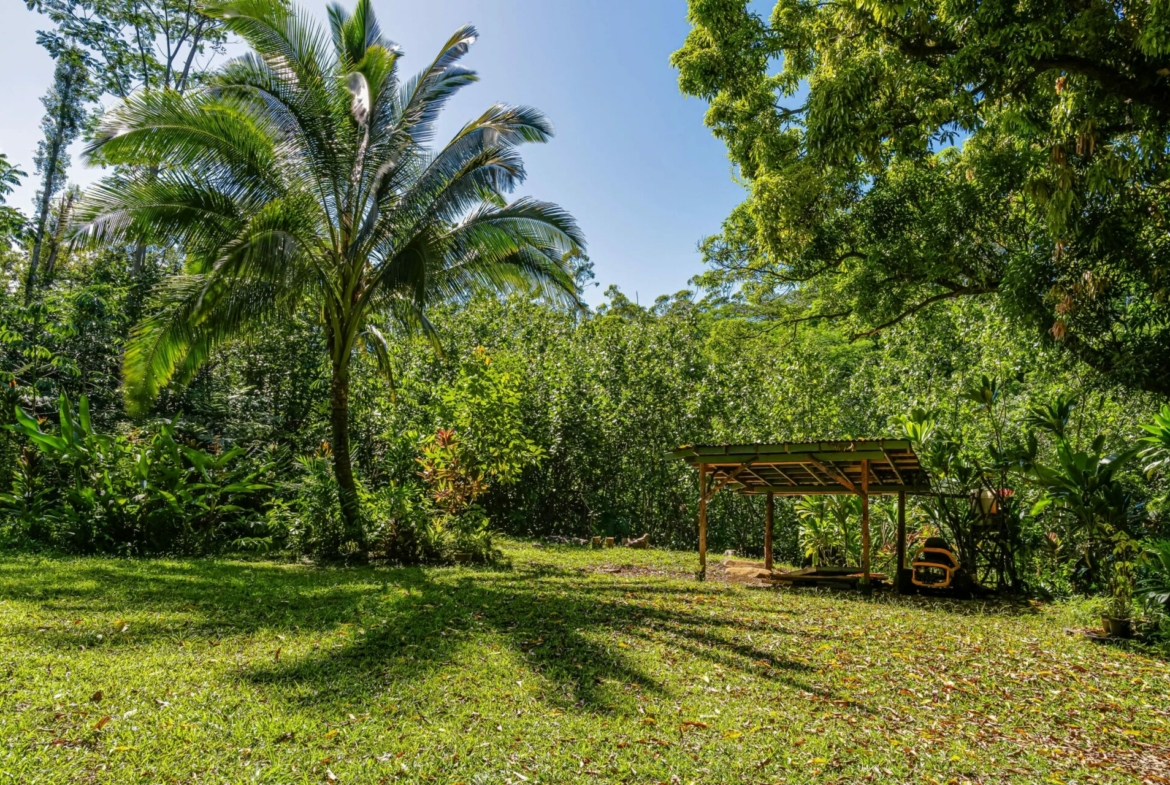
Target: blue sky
[(632, 159)]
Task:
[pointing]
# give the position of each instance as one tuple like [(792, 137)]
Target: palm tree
[(302, 176)]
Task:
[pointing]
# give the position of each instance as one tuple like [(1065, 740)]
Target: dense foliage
[(841, 117), (228, 299), (547, 421), (300, 180)]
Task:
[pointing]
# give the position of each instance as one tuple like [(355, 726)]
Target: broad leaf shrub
[(77, 489)]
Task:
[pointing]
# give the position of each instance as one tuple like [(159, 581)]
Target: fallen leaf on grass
[(101, 723), (96, 697)]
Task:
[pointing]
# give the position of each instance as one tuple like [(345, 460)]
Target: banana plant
[(1156, 454)]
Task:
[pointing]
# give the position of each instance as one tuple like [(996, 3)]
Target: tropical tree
[(144, 44), (1053, 201), (301, 177), (65, 114), (10, 218)]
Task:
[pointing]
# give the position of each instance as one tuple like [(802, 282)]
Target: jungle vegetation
[(293, 322)]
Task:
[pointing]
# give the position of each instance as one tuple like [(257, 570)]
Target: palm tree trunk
[(342, 459)]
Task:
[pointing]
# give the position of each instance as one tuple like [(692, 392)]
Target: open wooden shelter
[(865, 467)]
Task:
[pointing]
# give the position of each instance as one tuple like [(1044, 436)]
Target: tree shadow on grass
[(561, 630), (387, 627)]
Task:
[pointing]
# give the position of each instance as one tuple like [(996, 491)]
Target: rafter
[(893, 466), (848, 483), (729, 478)]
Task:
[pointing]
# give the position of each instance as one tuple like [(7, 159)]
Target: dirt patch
[(742, 571), (634, 570)]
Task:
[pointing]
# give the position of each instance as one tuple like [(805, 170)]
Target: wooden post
[(865, 524), (769, 518), (901, 541), (702, 521)]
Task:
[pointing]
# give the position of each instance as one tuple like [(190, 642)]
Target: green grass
[(551, 670)]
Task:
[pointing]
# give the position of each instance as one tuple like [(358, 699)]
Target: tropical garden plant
[(301, 178), (78, 488), (830, 529), (1154, 585)]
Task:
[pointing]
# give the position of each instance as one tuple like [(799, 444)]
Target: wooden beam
[(812, 474), (893, 466), (769, 517), (730, 477), (755, 476), (832, 490), (865, 524), (782, 474), (848, 483), (702, 522), (901, 542)]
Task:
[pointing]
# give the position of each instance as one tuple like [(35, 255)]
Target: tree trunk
[(58, 236), (42, 217), (342, 460)]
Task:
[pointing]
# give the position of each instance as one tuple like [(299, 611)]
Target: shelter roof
[(802, 468)]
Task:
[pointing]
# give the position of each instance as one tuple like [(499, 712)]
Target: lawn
[(564, 665)]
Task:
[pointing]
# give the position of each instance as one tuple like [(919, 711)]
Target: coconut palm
[(303, 176)]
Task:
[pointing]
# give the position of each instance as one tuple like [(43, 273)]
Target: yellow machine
[(935, 565)]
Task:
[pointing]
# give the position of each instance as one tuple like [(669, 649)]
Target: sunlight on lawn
[(549, 669)]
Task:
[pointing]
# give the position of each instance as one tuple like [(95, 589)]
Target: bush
[(149, 492)]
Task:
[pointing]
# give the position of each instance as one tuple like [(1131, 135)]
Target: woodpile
[(638, 542)]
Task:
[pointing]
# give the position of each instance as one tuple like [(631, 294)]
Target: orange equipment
[(934, 565)]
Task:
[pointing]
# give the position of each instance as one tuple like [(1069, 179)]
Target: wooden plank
[(894, 466), (901, 562), (785, 476), (812, 474), (769, 516), (702, 521), (865, 525), (729, 478), (841, 476), (753, 476)]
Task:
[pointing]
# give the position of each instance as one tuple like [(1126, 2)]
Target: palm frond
[(220, 137), (196, 314), (423, 97), (299, 176)]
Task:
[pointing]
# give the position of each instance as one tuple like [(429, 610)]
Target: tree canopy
[(899, 155)]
